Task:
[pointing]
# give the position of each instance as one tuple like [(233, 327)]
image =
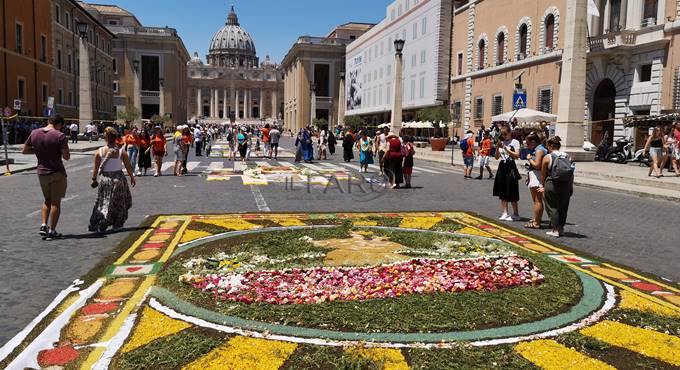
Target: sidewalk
[(629, 178)]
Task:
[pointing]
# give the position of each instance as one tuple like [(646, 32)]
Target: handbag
[(95, 182), (514, 172)]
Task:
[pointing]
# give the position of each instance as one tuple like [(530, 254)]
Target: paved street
[(637, 232)]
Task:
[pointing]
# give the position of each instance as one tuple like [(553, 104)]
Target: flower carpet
[(262, 174), (431, 290)]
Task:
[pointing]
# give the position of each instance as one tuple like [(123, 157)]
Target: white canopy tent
[(525, 115)]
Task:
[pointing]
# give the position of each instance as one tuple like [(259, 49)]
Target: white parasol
[(525, 115)]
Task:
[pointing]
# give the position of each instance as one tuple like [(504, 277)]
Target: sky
[(273, 24)]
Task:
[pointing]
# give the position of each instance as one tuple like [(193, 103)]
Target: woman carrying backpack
[(557, 184)]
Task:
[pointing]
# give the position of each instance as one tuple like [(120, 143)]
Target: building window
[(545, 99), (67, 20), (415, 30), (115, 87), (479, 107), (19, 38), (70, 98), (60, 96), (44, 93), (113, 22), (497, 105), (389, 70), (413, 89), (423, 27), (500, 48), (523, 41), (460, 64), (43, 49), (322, 79), (456, 110), (482, 54), (550, 32), (645, 73), (59, 59), (422, 87), (150, 73), (115, 66), (414, 60), (21, 88), (650, 12), (57, 13), (423, 56), (69, 63)]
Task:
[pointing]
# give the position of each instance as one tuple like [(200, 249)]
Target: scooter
[(618, 154), (642, 157)]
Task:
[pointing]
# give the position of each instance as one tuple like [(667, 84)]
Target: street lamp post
[(313, 104), (395, 124), (85, 94)]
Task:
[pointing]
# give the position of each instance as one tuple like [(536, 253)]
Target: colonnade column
[(225, 109), (246, 104), (217, 103), (236, 103), (212, 103), (261, 104), (275, 113), (199, 103)]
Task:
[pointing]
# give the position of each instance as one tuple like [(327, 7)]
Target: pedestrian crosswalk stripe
[(166, 166), (286, 164), (352, 166), (192, 165), (423, 169), (216, 165), (263, 164), (332, 166), (312, 167)]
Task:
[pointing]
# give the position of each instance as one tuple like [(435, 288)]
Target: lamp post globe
[(399, 45), (82, 28)]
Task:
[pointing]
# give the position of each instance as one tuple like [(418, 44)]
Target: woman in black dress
[(348, 146)]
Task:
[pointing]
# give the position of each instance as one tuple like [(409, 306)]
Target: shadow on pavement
[(92, 235)]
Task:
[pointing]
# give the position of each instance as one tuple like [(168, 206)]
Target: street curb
[(582, 184)]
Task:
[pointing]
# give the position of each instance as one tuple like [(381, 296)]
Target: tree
[(320, 123), (160, 120), (435, 115), (129, 115), (353, 122)]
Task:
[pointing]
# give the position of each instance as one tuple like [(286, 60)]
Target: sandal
[(532, 225)]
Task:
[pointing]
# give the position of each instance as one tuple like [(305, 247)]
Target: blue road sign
[(519, 101)]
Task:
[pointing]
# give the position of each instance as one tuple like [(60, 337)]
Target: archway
[(604, 108)]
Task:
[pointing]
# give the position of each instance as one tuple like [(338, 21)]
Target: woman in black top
[(348, 146), (656, 146)]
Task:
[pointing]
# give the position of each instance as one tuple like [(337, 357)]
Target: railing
[(155, 31), (321, 41), (596, 43), (613, 39), (648, 22), (150, 94)]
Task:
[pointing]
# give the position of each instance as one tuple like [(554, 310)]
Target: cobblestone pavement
[(637, 232)]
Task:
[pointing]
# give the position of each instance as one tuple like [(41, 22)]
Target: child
[(467, 146), (408, 161), (484, 151)]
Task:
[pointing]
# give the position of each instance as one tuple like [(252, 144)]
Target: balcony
[(144, 31), (310, 40), (627, 39), (150, 94)]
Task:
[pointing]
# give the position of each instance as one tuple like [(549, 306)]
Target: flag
[(592, 9)]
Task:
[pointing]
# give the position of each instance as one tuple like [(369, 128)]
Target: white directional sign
[(17, 104), (50, 102)]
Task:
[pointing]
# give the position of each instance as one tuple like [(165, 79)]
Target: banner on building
[(354, 77)]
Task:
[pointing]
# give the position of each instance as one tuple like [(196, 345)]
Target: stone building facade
[(425, 26), (67, 14), (313, 76), (232, 82), (26, 55), (149, 65), (633, 68), (494, 44)]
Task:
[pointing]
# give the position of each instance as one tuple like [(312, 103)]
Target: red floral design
[(417, 276), (57, 356)]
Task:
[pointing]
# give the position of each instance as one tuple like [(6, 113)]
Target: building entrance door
[(604, 108)]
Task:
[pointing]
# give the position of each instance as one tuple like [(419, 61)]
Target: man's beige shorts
[(53, 186)]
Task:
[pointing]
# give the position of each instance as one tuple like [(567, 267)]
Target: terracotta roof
[(107, 9)]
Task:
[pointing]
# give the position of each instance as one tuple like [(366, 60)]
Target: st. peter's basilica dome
[(232, 46)]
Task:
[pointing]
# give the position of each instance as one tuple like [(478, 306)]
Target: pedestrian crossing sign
[(519, 100)]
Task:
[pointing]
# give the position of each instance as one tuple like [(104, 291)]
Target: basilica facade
[(233, 83)]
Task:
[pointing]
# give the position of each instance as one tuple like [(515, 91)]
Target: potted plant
[(436, 115)]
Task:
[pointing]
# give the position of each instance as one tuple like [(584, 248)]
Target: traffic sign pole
[(4, 139)]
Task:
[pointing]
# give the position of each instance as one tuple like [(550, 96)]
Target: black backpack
[(562, 168)]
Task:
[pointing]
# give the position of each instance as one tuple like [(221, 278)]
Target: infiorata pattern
[(327, 284)]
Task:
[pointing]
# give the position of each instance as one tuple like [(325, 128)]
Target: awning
[(651, 121), (525, 115)]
